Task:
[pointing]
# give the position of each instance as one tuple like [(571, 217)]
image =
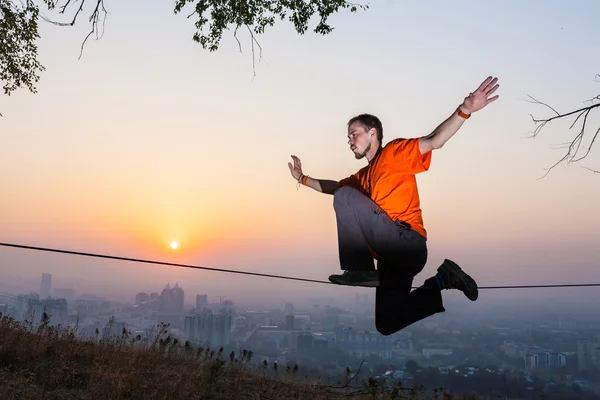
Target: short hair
[(369, 121)]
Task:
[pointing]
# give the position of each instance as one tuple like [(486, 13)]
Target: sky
[(148, 139)]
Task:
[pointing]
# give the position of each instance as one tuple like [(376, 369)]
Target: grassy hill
[(43, 363)]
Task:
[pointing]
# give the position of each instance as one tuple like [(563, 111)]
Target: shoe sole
[(472, 291), (360, 284)]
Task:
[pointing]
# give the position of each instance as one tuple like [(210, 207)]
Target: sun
[(174, 245)]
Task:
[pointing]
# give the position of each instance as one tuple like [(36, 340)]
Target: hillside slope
[(43, 363)]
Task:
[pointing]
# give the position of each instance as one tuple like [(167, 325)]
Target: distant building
[(46, 286), (56, 309), (208, 328), (518, 350), (364, 343), (32, 308), (434, 351), (545, 359), (171, 299), (588, 353), (201, 302), (304, 343), (289, 322), (289, 308)]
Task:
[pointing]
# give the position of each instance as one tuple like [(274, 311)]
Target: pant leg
[(362, 225), (353, 248), (396, 306), (402, 254)]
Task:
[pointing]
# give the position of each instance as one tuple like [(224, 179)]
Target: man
[(379, 217)]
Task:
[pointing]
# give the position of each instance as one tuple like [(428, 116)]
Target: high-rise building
[(208, 328), (289, 322), (201, 302), (46, 287), (289, 308), (588, 353), (171, 299)]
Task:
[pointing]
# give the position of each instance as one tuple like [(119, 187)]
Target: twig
[(535, 101), (260, 57), (94, 19), (355, 375), (593, 170), (575, 145)]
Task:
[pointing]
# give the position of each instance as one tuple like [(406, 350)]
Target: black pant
[(402, 254)]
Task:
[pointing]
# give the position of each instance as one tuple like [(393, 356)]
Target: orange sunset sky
[(148, 139)]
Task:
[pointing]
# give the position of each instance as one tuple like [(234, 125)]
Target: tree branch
[(574, 146), (19, 65), (256, 16), (94, 19)]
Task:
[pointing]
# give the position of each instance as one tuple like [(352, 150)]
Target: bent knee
[(344, 191), (343, 195), (385, 329)]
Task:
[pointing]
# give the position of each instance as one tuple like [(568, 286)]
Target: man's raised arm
[(472, 103), (320, 185)]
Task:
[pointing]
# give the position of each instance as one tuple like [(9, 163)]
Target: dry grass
[(43, 363)]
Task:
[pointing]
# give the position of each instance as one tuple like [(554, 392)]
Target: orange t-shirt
[(389, 180)]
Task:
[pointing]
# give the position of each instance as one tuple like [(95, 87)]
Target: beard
[(358, 156)]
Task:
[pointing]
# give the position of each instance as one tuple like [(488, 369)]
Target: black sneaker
[(356, 278), (455, 278)]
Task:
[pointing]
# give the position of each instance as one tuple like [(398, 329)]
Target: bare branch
[(539, 102), (94, 19), (260, 57), (574, 146), (62, 11), (236, 38), (355, 375), (593, 99), (593, 170)]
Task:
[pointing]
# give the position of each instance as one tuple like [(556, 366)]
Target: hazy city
[(535, 347)]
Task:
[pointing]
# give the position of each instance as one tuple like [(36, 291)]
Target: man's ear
[(373, 131)]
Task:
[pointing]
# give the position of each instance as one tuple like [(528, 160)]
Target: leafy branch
[(256, 16), (20, 67), (581, 115)]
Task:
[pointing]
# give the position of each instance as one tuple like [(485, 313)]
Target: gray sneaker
[(455, 278), (356, 278)]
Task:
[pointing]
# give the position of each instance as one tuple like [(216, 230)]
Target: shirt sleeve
[(407, 157), (352, 181)]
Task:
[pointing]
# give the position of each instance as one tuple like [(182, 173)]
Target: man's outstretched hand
[(481, 97), (296, 169)]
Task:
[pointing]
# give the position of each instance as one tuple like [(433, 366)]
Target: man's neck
[(373, 151)]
